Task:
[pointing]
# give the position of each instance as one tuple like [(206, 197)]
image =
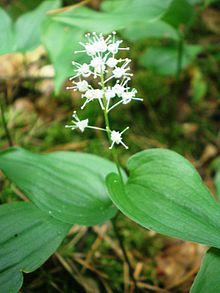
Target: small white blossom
[(82, 86), (77, 123), (128, 96), (93, 94), (81, 69), (96, 44), (98, 64), (120, 72), (117, 139), (109, 93), (120, 88), (112, 62), (114, 46)]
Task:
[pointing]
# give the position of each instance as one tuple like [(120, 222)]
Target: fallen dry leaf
[(211, 17), (177, 260)]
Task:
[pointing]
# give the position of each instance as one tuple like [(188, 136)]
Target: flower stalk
[(108, 129), (112, 91)]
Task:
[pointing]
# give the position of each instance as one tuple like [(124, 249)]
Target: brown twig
[(66, 8), (94, 248), (120, 241)]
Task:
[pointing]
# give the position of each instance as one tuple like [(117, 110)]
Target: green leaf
[(69, 186), (28, 238), (207, 280), (137, 9), (180, 12), (87, 19), (109, 5), (156, 29), (166, 194), (6, 35), (118, 18), (217, 183), (60, 41), (164, 60), (28, 26), (146, 10)]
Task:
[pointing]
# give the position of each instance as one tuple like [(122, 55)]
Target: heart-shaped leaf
[(69, 186), (166, 194), (28, 237), (207, 280)]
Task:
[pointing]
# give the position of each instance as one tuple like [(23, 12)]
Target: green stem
[(179, 57), (4, 123), (115, 158), (113, 151), (179, 60)]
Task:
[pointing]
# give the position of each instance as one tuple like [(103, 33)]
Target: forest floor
[(171, 116)]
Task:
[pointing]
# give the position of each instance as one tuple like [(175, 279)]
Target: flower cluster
[(113, 74)]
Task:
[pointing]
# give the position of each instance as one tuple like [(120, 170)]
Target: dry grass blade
[(126, 278), (88, 284), (91, 268), (94, 247), (108, 240), (152, 288), (81, 232)]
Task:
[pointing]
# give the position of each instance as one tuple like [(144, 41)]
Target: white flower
[(77, 123), (128, 96), (112, 62), (98, 94), (119, 88), (89, 49), (117, 139), (100, 45), (96, 44), (120, 72), (93, 94), (81, 69), (109, 93), (98, 64), (114, 46), (82, 86)]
